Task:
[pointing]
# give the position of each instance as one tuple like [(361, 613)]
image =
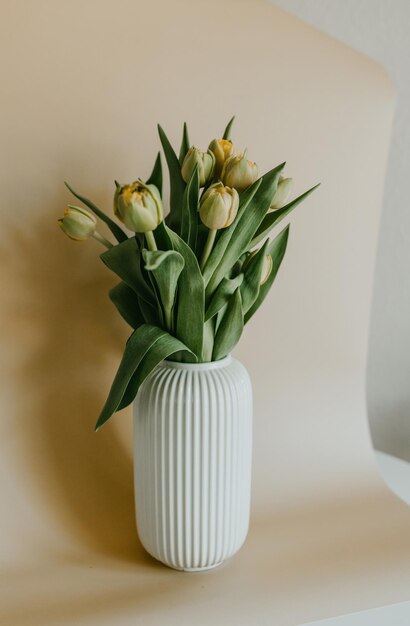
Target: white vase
[(192, 462)]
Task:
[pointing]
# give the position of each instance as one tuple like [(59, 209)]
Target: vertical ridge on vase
[(178, 463), (203, 469), (234, 448), (228, 468), (213, 491), (195, 454), (163, 512), (153, 410), (187, 487), (235, 469), (192, 462), (220, 458), (171, 441)]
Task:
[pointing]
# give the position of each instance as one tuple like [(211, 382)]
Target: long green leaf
[(147, 344), (274, 217), (247, 223), (222, 295), (126, 301), (276, 249), (252, 277), (114, 228), (166, 268), (189, 224), (230, 328), (185, 145), (227, 131), (164, 348), (156, 174), (189, 326), (177, 183), (125, 261)]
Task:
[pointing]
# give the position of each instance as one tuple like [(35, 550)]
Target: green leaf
[(114, 228), (156, 174), (162, 237), (166, 268), (189, 326), (185, 145), (189, 224), (126, 301), (165, 348), (227, 131), (276, 249), (177, 183), (124, 260), (247, 222), (222, 295), (252, 277), (147, 346), (208, 341), (274, 217), (230, 328)]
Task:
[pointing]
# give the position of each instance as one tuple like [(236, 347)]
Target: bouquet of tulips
[(190, 281)]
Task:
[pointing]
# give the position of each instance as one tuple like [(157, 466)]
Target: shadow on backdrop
[(66, 339)]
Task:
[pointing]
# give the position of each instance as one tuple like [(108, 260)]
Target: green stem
[(168, 319), (150, 239), (208, 247), (102, 239)]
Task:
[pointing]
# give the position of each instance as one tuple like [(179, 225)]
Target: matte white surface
[(380, 28), (192, 460), (396, 474), (396, 615)]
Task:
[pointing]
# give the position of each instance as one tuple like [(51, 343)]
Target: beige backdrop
[(84, 83)]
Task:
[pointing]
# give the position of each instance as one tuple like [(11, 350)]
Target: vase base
[(197, 569)]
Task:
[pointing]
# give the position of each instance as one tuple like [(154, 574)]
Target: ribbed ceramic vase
[(193, 440)]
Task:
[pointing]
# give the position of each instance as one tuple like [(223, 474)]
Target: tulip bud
[(205, 162), (283, 192), (266, 269), (218, 206), (77, 223), (222, 149), (238, 172), (138, 206)]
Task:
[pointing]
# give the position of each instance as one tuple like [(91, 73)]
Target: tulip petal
[(114, 228)]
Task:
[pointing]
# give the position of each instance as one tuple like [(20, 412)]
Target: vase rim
[(197, 367)]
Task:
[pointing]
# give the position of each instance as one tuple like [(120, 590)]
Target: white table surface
[(394, 615), (396, 474)]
